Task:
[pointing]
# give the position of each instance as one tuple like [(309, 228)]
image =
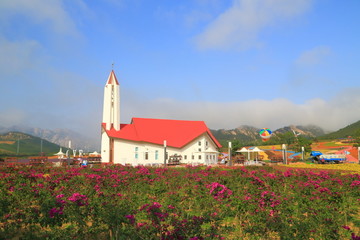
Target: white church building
[(145, 141)]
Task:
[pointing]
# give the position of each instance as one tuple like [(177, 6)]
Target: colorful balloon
[(265, 134)]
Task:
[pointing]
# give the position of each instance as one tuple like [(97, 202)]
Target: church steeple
[(111, 107)]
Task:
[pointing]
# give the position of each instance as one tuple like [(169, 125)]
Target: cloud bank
[(331, 115), (51, 13), (240, 25)]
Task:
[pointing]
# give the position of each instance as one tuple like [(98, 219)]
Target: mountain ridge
[(18, 143), (246, 133), (57, 136)]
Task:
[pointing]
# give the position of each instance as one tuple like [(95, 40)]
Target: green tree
[(356, 137), (301, 142)]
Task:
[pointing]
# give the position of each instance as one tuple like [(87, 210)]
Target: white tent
[(94, 154), (244, 149), (256, 150), (60, 154)]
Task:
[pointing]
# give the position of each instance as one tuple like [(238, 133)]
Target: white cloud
[(11, 117), (313, 56), (17, 56), (46, 12), (330, 115), (240, 25)]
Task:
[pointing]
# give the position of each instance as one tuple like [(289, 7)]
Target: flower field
[(350, 168), (121, 202)]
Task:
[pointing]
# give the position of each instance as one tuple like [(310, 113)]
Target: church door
[(111, 160)]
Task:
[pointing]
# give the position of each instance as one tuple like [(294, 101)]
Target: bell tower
[(111, 117), (111, 107)]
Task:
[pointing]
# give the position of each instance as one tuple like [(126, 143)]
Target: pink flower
[(79, 199), (131, 218), (247, 197), (346, 227), (141, 224), (355, 183), (219, 191), (60, 196), (354, 237), (55, 211)]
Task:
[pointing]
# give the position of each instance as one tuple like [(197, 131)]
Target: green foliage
[(352, 130), (27, 145)]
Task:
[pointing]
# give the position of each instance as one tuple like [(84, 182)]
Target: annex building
[(144, 141)]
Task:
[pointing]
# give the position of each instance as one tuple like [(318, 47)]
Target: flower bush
[(122, 202)]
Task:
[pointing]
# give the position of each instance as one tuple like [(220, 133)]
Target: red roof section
[(112, 77), (177, 133)]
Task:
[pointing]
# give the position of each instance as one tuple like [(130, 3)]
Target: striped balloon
[(265, 134)]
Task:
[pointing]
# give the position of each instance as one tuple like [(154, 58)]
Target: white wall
[(125, 152), (105, 145)]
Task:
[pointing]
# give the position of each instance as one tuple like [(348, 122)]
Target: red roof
[(112, 77), (177, 133)]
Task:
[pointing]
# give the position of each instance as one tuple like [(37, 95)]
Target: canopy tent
[(60, 154), (243, 150), (94, 154), (256, 150)]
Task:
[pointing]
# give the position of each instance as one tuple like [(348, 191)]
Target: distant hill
[(248, 134), (311, 131), (243, 133), (58, 136), (352, 130), (16, 143)]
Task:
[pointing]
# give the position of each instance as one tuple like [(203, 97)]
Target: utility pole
[(284, 154), (18, 146), (302, 152), (230, 163)]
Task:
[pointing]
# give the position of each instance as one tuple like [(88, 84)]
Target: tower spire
[(111, 107)]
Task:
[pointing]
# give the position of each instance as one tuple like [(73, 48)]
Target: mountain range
[(244, 133), (247, 133), (61, 137), (21, 144)]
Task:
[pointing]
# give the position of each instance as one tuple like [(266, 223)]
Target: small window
[(199, 149), (136, 153), (185, 157), (206, 143), (146, 155), (192, 157), (199, 143), (156, 154), (199, 157)]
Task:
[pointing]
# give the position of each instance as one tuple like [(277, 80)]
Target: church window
[(136, 153), (156, 154)]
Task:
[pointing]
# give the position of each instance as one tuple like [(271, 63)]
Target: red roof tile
[(177, 133), (112, 77)]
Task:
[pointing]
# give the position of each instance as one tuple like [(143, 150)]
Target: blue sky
[(265, 63)]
